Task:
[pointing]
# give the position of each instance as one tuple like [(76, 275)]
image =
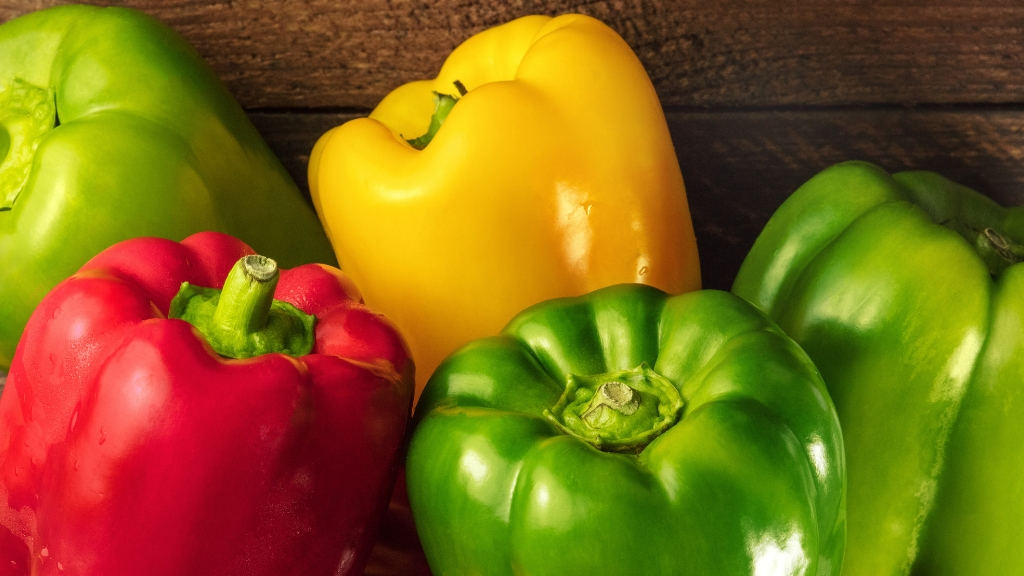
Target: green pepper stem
[(619, 411), (995, 249), (614, 395), (5, 142), (27, 113), (1005, 247), (247, 295)]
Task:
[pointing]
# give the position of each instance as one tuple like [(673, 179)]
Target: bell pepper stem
[(995, 249), (443, 104), (1006, 248), (615, 396), (243, 320), (247, 295), (27, 113), (619, 411), (5, 142)]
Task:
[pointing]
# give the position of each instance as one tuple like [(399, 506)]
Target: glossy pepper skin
[(553, 176), (897, 288), (129, 447), (149, 143), (749, 480)]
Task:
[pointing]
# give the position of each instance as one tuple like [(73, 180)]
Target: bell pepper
[(627, 432), (129, 446), (112, 127), (907, 292), (553, 175)]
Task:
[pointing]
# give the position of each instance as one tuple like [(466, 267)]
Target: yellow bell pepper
[(553, 175)]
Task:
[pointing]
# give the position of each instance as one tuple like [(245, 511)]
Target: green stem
[(1007, 249), (243, 320), (995, 249), (27, 113), (443, 105), (611, 396), (618, 411), (5, 143), (247, 295)]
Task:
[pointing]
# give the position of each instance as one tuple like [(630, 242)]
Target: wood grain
[(740, 165), (350, 53)]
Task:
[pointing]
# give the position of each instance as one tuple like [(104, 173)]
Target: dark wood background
[(759, 95)]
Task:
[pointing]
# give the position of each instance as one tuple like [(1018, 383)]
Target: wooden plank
[(350, 53), (739, 166)]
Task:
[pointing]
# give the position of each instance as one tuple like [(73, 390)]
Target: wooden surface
[(740, 165), (760, 95), (349, 53)]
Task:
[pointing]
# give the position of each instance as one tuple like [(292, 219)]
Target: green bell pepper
[(112, 127), (629, 432), (906, 292)]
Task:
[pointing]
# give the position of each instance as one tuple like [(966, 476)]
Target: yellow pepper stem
[(443, 104)]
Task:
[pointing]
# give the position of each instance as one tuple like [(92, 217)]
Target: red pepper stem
[(247, 295), (243, 320)]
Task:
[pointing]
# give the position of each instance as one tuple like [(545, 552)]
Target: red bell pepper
[(129, 446)]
